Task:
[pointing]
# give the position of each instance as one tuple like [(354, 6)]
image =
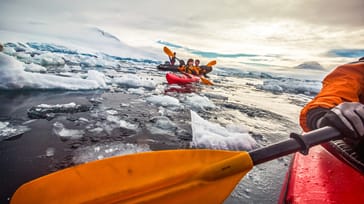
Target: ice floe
[(8, 130), (199, 102), (163, 100), (64, 133), (134, 81), (50, 111), (213, 136)]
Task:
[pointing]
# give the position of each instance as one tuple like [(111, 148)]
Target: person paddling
[(172, 59), (340, 104)]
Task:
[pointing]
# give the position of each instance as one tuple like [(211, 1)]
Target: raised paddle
[(173, 176), (203, 79), (168, 51)]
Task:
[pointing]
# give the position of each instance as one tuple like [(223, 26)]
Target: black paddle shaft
[(296, 143)]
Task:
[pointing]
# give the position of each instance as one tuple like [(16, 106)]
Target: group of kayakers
[(192, 66)]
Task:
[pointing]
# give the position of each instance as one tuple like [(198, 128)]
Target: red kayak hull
[(320, 177), (181, 79)]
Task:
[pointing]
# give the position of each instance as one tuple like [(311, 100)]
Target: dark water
[(24, 157)]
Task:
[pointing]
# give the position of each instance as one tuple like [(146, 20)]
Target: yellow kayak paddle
[(173, 176)]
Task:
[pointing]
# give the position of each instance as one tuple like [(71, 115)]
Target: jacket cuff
[(314, 115)]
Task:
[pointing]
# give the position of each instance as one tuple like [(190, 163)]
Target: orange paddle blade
[(211, 63), (206, 81), (168, 51), (175, 176)]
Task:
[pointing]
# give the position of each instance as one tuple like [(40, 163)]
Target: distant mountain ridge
[(310, 65)]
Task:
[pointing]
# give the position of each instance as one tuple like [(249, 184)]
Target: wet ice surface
[(134, 110)]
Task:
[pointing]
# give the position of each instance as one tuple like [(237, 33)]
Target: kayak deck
[(320, 177), (181, 79)]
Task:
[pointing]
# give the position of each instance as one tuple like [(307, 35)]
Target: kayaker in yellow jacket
[(339, 103)]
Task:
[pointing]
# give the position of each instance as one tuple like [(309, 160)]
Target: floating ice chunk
[(164, 123), (112, 112), (61, 131), (48, 59), (34, 68), (213, 136), (199, 102), (49, 111), (133, 81), (71, 105), (100, 151), (50, 152), (163, 100), (96, 130), (290, 85), (139, 91), (98, 77), (121, 123), (8, 130)]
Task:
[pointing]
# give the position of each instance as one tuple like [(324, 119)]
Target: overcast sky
[(272, 27)]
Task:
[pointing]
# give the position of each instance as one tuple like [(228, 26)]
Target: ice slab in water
[(213, 136)]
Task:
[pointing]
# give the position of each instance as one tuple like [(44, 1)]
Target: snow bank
[(13, 76), (213, 136)]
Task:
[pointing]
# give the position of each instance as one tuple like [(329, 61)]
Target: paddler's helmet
[(189, 60)]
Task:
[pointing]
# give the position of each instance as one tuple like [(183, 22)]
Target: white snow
[(67, 105), (213, 136), (13, 76), (101, 151), (163, 100), (62, 132)]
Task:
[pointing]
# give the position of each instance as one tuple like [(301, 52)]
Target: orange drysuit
[(344, 84)]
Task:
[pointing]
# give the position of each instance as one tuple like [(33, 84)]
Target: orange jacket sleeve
[(344, 84)]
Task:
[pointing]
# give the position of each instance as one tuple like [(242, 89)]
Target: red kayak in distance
[(320, 177), (181, 79)]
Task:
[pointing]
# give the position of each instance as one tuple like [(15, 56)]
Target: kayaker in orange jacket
[(189, 68), (340, 102)]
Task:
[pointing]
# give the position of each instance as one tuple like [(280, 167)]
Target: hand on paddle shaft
[(347, 118)]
